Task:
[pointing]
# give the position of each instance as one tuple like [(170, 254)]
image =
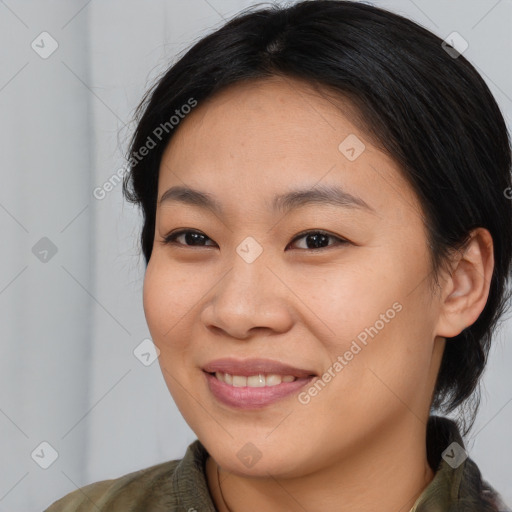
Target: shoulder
[(141, 487), (166, 487)]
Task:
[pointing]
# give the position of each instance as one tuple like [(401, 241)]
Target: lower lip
[(252, 398)]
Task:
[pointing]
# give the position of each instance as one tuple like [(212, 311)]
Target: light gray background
[(68, 375)]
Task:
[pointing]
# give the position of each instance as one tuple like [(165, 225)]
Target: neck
[(391, 471)]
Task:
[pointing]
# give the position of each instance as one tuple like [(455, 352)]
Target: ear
[(466, 289)]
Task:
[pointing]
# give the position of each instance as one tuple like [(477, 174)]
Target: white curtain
[(71, 278)]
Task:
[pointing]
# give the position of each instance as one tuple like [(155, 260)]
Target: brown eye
[(190, 238), (319, 240)]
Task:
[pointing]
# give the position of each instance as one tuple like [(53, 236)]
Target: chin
[(255, 460)]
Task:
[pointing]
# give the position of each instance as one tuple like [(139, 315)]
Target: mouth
[(255, 367), (253, 383)]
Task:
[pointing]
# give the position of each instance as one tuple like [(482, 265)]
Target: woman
[(328, 238)]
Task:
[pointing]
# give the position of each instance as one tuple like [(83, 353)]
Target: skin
[(361, 440)]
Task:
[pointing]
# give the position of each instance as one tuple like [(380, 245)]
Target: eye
[(192, 237), (315, 239)]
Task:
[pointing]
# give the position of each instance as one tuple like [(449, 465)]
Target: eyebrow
[(294, 199)]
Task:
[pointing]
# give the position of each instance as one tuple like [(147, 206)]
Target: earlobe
[(466, 290)]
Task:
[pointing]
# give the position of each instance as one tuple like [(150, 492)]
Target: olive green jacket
[(180, 485)]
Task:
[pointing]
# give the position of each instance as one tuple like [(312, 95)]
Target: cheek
[(154, 303), (387, 366), (348, 298), (166, 304), (167, 297), (376, 325)]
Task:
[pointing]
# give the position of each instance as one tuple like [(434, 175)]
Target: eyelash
[(171, 238)]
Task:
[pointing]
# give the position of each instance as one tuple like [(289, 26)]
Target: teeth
[(253, 381), (239, 381)]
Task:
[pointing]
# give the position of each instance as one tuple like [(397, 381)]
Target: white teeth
[(239, 381), (256, 381), (253, 381), (272, 380)]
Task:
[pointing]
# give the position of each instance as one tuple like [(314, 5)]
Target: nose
[(249, 299)]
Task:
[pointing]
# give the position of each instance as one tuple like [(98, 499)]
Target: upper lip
[(247, 367)]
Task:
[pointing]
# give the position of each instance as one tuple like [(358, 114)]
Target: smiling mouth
[(253, 391), (259, 380)]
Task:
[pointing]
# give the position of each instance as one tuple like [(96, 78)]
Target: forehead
[(276, 111), (266, 135)]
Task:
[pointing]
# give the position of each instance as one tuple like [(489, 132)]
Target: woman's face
[(349, 309)]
